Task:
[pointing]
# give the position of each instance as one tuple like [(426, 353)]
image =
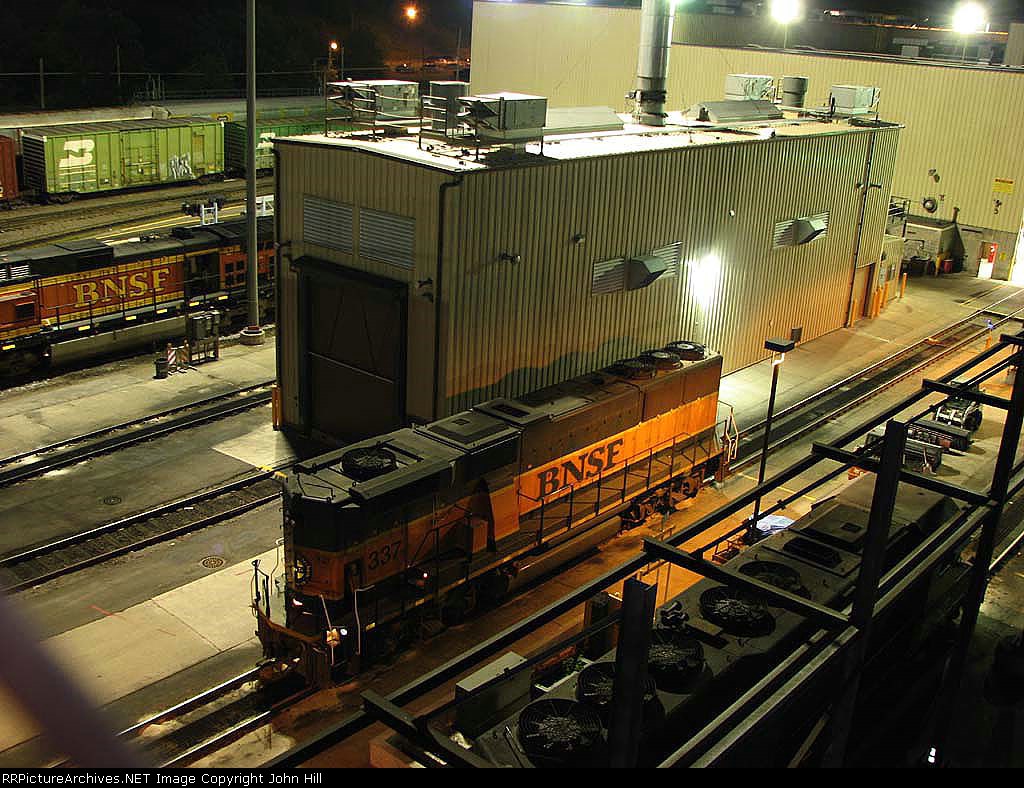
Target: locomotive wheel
[(974, 421)]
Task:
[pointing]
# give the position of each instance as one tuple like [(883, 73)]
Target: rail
[(22, 466)]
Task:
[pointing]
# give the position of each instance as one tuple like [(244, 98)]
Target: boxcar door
[(355, 345), (140, 157)]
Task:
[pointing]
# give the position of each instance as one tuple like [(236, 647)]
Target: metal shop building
[(417, 280), (960, 156)]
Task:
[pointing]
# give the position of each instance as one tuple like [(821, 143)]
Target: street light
[(967, 19), (785, 13), (779, 348), (412, 13)]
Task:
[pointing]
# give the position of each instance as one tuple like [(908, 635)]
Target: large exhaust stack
[(652, 69)]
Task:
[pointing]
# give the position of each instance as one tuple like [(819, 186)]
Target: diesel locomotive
[(419, 526), (77, 299)]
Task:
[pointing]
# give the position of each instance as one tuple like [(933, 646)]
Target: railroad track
[(214, 718), (62, 557), (797, 420), (25, 465), (135, 207), (210, 720)]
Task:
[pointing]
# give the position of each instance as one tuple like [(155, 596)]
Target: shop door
[(356, 346)]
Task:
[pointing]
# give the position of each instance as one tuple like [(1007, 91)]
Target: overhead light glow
[(411, 13), (969, 18), (334, 46), (786, 12), (705, 274)]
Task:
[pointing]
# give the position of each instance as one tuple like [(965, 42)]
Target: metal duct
[(652, 67)]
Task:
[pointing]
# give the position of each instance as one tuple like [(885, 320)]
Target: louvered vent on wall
[(609, 277), (387, 237), (18, 271), (327, 223), (797, 232), (672, 255)]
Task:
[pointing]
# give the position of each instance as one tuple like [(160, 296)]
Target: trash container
[(161, 367)]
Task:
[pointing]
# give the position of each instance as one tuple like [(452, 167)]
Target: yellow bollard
[(903, 286), (275, 407)]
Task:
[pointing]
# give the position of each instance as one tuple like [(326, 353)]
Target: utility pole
[(253, 335), (42, 86)]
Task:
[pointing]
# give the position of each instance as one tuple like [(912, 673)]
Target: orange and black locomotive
[(427, 522), (68, 301)]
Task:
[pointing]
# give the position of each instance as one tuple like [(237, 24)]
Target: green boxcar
[(84, 158), (236, 141)]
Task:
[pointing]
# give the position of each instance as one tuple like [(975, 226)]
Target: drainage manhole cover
[(112, 500), (213, 562)]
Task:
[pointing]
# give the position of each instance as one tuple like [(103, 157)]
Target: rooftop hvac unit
[(506, 117), (749, 87), (444, 102), (393, 97), (854, 99)]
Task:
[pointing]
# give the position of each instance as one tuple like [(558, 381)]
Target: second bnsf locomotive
[(76, 299), (425, 522)]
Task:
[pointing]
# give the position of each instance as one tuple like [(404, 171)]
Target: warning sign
[(1002, 186)]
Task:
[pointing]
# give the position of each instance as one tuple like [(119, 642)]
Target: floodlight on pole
[(412, 13), (785, 13), (969, 18)]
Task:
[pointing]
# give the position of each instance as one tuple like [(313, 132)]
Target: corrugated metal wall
[(961, 122), (361, 180), (514, 327), (518, 311)]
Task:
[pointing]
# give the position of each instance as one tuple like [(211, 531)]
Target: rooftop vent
[(368, 463), (633, 369), (560, 732), (733, 112), (687, 351), (651, 91)]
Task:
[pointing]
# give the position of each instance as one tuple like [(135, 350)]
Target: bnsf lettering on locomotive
[(588, 465), (123, 286)]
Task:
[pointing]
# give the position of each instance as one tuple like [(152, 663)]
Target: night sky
[(199, 43)]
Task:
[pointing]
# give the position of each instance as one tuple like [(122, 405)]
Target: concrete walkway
[(79, 402), (930, 304)]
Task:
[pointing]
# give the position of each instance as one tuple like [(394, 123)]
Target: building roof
[(680, 133)]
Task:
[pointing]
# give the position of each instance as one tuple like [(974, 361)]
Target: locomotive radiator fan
[(633, 369), (687, 351), (674, 659), (738, 612), (368, 463), (560, 732), (595, 687), (662, 359), (778, 575)]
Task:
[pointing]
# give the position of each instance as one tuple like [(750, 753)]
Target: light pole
[(969, 18), (785, 13), (253, 334), (779, 347)]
